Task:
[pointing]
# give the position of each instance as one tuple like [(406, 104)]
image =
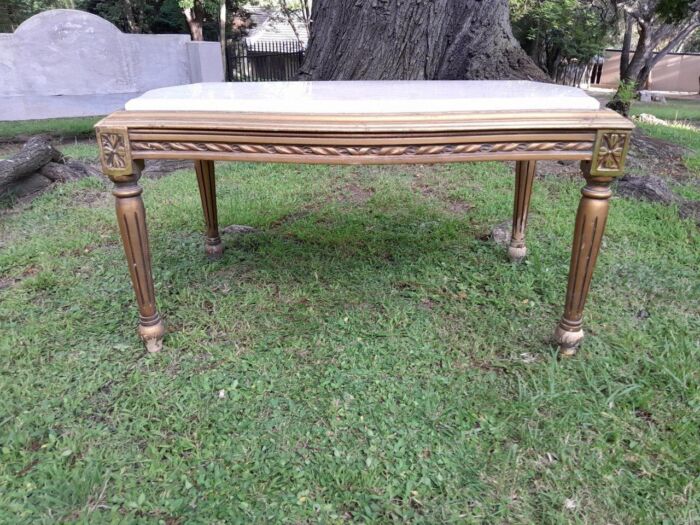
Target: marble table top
[(366, 97)]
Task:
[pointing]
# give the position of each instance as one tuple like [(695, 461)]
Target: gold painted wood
[(600, 139), (207, 192), (524, 178), (588, 234), (131, 217), (610, 152), (115, 152), (394, 124)]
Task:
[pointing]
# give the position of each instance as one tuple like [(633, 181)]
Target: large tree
[(555, 31), (414, 39), (653, 28)]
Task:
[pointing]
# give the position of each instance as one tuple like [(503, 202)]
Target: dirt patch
[(426, 190), (452, 204), (354, 194), (7, 282), (238, 229), (565, 168), (690, 210), (292, 217), (459, 207), (158, 168), (649, 155), (92, 198)]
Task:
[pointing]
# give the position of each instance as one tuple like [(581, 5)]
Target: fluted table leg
[(118, 165), (207, 191), (131, 216), (524, 177), (588, 234)]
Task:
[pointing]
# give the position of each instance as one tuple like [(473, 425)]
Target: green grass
[(81, 151), (673, 110), (684, 135), (377, 362), (79, 127), (684, 117)]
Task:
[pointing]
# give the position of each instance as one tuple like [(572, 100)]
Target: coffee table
[(373, 122)]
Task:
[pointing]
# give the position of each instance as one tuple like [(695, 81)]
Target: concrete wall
[(675, 72), (67, 52)]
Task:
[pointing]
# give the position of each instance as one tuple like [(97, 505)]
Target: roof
[(273, 26)]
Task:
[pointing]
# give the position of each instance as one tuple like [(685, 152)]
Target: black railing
[(263, 61), (572, 73), (575, 73)]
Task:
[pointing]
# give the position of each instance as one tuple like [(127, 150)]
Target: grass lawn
[(672, 110), (58, 127), (364, 358), (683, 134)]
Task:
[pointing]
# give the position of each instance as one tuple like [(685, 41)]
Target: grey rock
[(653, 189), (500, 234)]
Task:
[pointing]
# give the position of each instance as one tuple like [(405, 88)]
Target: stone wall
[(674, 72), (68, 52)]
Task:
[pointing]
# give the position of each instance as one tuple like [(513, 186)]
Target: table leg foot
[(517, 253), (152, 333), (214, 250), (568, 340)]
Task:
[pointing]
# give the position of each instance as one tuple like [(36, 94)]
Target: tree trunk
[(414, 40), (626, 45), (36, 166), (222, 36), (195, 20), (639, 68), (130, 18)]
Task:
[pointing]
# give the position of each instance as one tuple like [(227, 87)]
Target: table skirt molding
[(599, 139)]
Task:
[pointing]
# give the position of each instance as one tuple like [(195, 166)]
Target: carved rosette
[(115, 153), (609, 153)]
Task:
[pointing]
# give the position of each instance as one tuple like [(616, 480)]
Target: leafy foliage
[(675, 11), (556, 30), (14, 12), (151, 16)]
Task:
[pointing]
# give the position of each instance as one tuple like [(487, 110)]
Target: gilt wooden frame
[(598, 138)]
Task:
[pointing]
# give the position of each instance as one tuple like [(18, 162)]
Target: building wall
[(675, 72), (68, 52)]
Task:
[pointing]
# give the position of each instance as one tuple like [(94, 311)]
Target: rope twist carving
[(436, 149)]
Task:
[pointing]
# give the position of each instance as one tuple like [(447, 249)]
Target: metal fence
[(572, 73), (263, 61), (576, 73)]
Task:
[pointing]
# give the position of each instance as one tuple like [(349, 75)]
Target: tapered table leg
[(207, 191), (524, 177), (588, 234), (131, 216)]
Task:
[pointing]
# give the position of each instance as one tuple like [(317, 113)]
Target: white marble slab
[(365, 97)]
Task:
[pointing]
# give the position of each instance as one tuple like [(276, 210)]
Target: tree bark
[(36, 166), (130, 18), (222, 36), (651, 34), (195, 20), (626, 45), (414, 40), (36, 153)]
